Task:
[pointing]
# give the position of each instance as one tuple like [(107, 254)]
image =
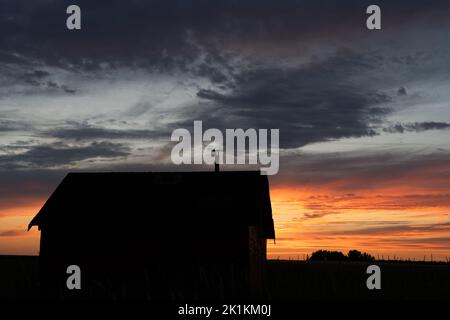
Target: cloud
[(23, 188), (397, 230), (317, 102), (159, 33), (13, 233), (63, 87), (312, 93), (16, 79), (336, 203), (417, 127), (402, 91), (424, 244), (34, 77), (365, 170), (10, 125), (60, 154), (81, 131), (138, 109)]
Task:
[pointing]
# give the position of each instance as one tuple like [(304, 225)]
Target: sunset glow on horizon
[(305, 223), (384, 222)]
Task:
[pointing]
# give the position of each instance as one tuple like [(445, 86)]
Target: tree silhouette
[(325, 255), (355, 255)]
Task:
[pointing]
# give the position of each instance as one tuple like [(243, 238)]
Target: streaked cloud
[(417, 127)]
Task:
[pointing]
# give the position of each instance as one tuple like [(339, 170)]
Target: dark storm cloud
[(402, 91), (79, 132), (34, 77), (417, 127), (54, 86), (57, 154), (154, 33), (318, 102), (21, 81)]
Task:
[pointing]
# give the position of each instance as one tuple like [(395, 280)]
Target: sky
[(364, 116)]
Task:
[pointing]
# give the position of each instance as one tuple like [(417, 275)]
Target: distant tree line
[(352, 255)]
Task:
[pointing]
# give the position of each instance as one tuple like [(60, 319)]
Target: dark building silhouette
[(157, 235)]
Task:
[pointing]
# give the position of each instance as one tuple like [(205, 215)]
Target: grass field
[(287, 280), (347, 280)]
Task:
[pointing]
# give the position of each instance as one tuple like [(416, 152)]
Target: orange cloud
[(14, 238)]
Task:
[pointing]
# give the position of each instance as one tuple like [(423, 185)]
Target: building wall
[(164, 261), (257, 260)]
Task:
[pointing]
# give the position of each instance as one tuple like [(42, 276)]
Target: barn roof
[(151, 199)]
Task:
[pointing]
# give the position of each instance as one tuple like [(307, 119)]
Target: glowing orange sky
[(384, 223), (14, 238), (388, 211), (393, 225)]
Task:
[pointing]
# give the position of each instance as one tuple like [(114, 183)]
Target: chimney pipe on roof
[(216, 162)]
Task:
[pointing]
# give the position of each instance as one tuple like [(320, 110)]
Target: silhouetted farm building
[(158, 235)]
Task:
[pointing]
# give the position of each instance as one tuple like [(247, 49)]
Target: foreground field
[(287, 280), (347, 280)]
